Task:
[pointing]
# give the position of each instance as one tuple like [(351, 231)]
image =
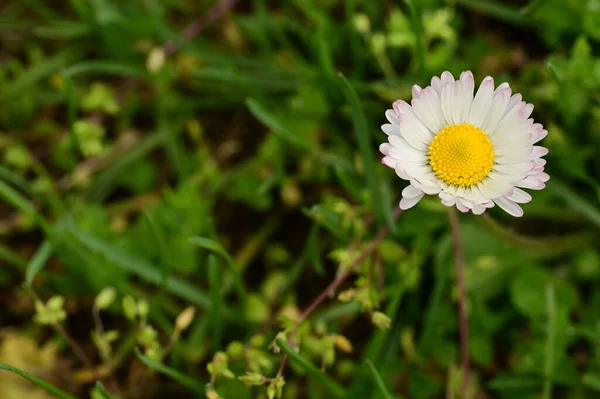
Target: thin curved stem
[(367, 251), (459, 264)]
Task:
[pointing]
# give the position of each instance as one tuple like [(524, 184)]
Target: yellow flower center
[(461, 154)]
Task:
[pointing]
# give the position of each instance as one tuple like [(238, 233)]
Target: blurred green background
[(129, 127)]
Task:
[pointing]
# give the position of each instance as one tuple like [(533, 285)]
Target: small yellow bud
[(343, 344), (105, 298), (185, 318), (156, 60), (381, 320)]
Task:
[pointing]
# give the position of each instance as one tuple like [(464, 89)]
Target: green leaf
[(379, 381), (14, 198), (420, 38), (217, 248), (189, 382), (550, 340), (143, 269), (332, 386), (39, 382), (38, 261), (575, 201), (381, 209), (102, 391), (214, 281), (277, 126)]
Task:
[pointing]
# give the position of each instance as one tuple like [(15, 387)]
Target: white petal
[(538, 152), (482, 102), (429, 188), (537, 136), (385, 148), (543, 177), (447, 77), (466, 96), (407, 153), (416, 91), (520, 196), (478, 209), (391, 116), (461, 207), (515, 168), (401, 173), (389, 161), (407, 203), (429, 110), (468, 204), (436, 84), (496, 110), (509, 206), (447, 199), (417, 171), (519, 154), (411, 191), (448, 102), (391, 129), (531, 182)]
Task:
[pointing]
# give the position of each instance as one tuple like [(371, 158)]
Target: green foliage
[(178, 202)]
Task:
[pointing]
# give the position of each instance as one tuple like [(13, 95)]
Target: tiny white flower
[(473, 151)]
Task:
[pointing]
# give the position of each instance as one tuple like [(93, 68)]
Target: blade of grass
[(106, 68), (332, 386), (10, 256), (381, 209), (578, 203), (186, 381), (214, 281), (159, 239), (550, 340), (217, 248), (143, 269), (261, 113), (102, 391), (51, 389), (108, 179), (38, 261), (554, 73), (14, 198), (15, 179), (418, 29), (496, 10), (379, 381)]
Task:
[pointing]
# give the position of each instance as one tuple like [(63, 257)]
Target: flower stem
[(368, 250), (459, 264)]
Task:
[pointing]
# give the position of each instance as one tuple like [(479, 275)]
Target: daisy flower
[(473, 151)]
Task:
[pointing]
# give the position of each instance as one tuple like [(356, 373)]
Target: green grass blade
[(332, 385), (51, 389), (106, 68), (214, 281), (141, 268), (261, 113), (379, 381), (38, 261), (108, 179), (550, 340), (554, 73), (14, 198), (102, 391), (496, 10), (576, 202), (186, 381), (11, 257), (217, 248), (418, 29), (381, 209)]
